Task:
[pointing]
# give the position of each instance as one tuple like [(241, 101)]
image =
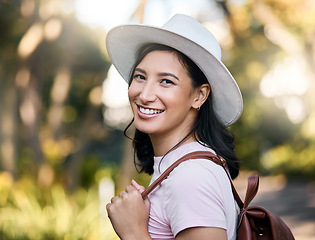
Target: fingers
[(110, 206), (137, 186), (122, 194), (109, 209), (114, 199), (130, 195), (129, 189), (131, 192), (141, 189)]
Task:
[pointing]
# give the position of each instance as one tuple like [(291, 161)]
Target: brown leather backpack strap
[(253, 181), (195, 155), (192, 155), (252, 189)]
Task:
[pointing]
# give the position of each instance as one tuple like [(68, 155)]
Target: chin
[(145, 126), (145, 130), (149, 129)]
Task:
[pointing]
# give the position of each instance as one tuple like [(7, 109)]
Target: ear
[(201, 94)]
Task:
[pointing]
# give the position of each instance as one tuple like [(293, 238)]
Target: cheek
[(131, 92)]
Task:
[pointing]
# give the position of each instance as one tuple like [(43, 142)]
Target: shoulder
[(198, 176), (194, 174)]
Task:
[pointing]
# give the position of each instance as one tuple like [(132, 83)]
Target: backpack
[(254, 222)]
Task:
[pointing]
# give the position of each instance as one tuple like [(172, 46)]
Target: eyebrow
[(140, 70), (163, 74)]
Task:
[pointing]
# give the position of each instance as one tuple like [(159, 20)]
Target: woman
[(182, 98)]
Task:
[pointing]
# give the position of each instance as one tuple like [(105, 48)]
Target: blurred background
[(63, 108)]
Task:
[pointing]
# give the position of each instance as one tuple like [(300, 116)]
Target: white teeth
[(149, 111)]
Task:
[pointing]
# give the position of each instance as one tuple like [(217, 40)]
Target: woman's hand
[(129, 213)]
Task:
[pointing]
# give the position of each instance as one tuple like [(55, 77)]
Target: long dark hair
[(207, 130)]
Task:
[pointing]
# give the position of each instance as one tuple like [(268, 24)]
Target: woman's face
[(162, 97)]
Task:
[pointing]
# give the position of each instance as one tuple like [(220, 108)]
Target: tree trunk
[(30, 112), (8, 126)]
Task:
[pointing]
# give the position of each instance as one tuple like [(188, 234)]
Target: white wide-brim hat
[(188, 36)]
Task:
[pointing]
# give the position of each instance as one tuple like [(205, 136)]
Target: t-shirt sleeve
[(194, 196)]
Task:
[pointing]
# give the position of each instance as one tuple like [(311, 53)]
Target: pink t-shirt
[(197, 193)]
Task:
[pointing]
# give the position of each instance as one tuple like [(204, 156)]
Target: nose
[(148, 93)]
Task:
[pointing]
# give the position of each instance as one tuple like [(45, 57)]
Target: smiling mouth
[(150, 111)]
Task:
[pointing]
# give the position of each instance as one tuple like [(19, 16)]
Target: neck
[(162, 144)]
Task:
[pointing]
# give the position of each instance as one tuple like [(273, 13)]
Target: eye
[(138, 77), (167, 82)]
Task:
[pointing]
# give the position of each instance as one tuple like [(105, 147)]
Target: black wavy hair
[(207, 130)]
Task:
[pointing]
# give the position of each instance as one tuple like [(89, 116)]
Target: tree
[(52, 67)]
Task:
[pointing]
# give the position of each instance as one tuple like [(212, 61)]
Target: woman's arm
[(202, 233), (129, 213)]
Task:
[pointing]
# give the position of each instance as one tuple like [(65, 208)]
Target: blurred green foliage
[(29, 212)]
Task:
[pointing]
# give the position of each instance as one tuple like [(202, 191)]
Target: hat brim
[(123, 43)]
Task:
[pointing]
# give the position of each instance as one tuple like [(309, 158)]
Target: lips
[(149, 111)]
